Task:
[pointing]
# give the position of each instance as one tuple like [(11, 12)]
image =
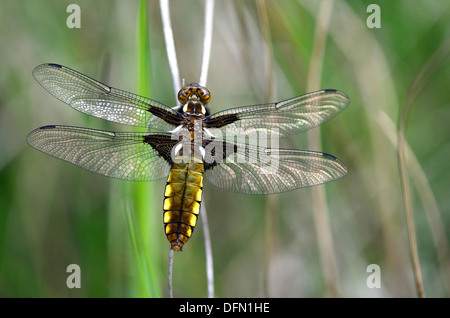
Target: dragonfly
[(187, 144)]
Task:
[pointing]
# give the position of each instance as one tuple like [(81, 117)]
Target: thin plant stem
[(170, 273), (406, 192), (170, 43), (320, 207), (416, 87), (426, 196), (208, 252), (209, 17)]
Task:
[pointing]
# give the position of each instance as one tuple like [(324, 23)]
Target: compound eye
[(205, 95), (183, 95)]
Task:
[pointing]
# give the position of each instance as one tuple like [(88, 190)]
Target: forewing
[(255, 170), (97, 99), (128, 156), (284, 118)]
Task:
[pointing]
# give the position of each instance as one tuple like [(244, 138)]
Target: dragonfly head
[(194, 91)]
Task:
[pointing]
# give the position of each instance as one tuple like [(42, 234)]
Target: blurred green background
[(53, 214)]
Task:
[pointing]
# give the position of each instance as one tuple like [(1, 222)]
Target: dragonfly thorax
[(194, 107)]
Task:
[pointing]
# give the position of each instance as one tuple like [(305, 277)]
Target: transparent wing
[(250, 169), (128, 156), (97, 99), (288, 117)]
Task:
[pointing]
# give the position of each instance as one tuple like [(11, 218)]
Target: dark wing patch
[(162, 144), (221, 120), (216, 151)]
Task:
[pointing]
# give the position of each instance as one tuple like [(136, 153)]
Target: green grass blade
[(145, 227)]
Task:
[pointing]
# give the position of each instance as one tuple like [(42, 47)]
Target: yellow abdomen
[(182, 200)]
